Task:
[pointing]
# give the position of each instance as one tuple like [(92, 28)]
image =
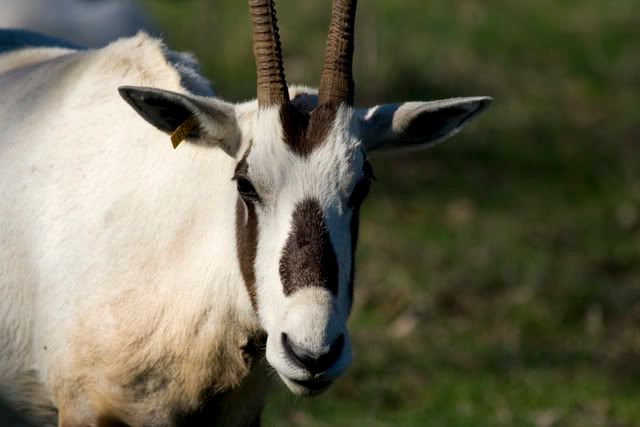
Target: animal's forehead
[(306, 132), (317, 152)]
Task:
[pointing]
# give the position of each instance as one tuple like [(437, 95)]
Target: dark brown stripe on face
[(247, 245), (355, 228), (308, 258), (359, 194), (247, 236), (304, 132)]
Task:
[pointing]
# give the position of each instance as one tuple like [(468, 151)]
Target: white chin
[(305, 388)]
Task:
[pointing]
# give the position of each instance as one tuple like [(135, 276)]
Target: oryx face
[(301, 176), (297, 230)]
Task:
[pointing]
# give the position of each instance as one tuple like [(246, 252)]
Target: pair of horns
[(336, 84)]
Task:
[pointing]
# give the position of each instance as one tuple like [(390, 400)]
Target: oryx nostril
[(313, 362)]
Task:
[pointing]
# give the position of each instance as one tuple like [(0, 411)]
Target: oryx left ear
[(416, 124), (186, 117)]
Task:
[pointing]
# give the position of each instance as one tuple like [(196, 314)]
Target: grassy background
[(499, 273)]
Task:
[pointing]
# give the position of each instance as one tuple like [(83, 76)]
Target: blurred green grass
[(498, 274)]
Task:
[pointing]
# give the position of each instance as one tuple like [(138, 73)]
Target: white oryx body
[(118, 253), (138, 283)]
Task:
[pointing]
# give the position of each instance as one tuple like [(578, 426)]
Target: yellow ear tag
[(182, 131)]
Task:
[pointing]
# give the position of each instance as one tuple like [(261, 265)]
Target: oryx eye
[(246, 189)]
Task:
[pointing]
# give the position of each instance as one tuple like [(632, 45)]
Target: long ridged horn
[(336, 83), (271, 83)]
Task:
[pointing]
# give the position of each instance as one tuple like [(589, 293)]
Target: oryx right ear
[(196, 119), (416, 124)]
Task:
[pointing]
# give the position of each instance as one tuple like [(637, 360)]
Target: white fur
[(115, 246), (118, 263)]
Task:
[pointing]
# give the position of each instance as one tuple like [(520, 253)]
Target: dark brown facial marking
[(308, 258), (355, 228), (304, 132), (247, 245), (359, 194), (247, 236)]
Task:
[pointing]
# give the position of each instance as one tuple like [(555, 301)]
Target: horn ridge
[(336, 83), (271, 85)]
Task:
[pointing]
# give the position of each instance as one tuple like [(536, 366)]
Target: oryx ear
[(416, 124), (186, 117)]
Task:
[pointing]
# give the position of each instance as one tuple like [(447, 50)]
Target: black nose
[(314, 363)]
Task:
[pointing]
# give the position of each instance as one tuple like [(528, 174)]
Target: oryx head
[(301, 175)]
